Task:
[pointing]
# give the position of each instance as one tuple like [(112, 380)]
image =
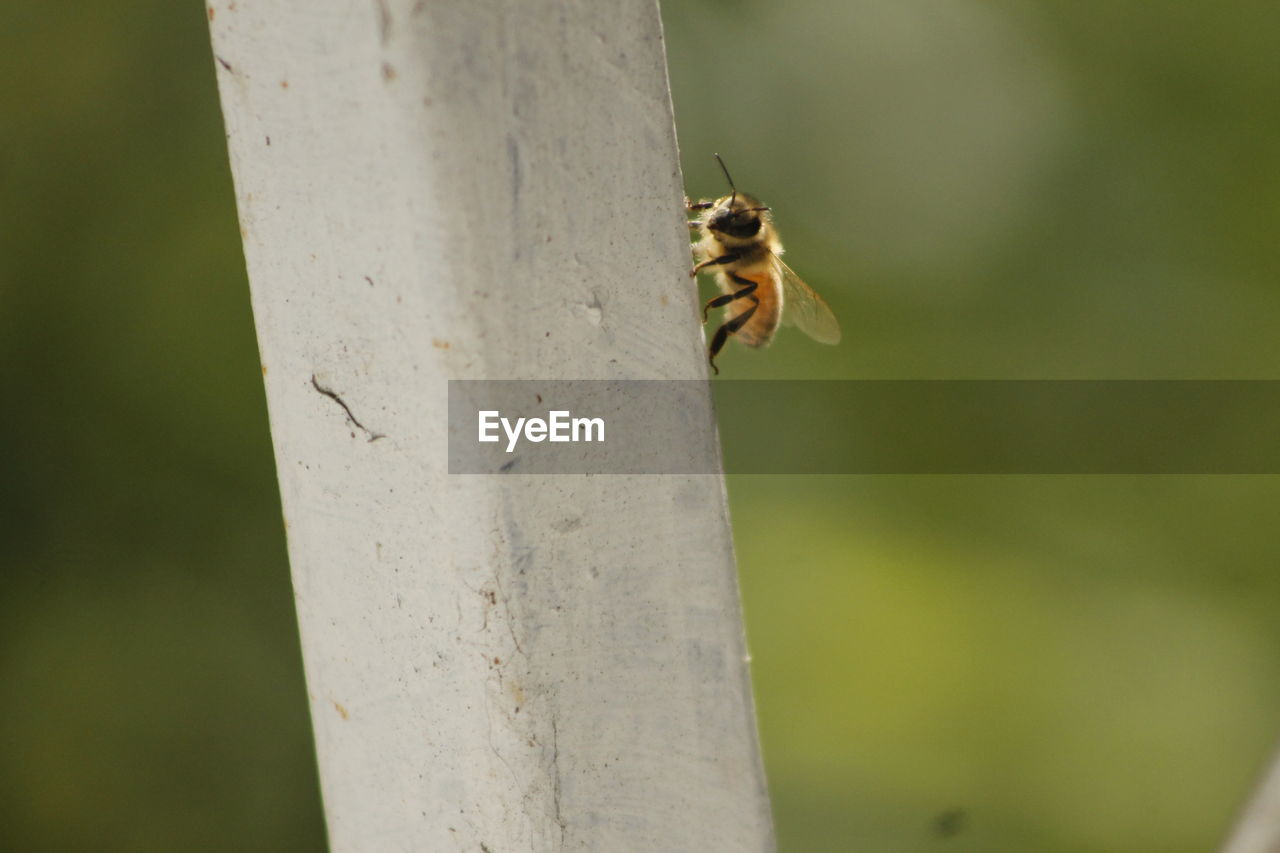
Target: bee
[(758, 290)]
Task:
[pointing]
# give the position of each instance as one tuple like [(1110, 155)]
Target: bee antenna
[(725, 169)]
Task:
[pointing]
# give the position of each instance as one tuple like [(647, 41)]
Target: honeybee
[(759, 290)]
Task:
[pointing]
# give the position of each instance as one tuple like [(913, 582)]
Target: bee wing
[(804, 309)]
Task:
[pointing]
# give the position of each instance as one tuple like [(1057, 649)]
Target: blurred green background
[(981, 189)]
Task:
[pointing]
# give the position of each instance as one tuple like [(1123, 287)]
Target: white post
[(437, 189), (1258, 829)]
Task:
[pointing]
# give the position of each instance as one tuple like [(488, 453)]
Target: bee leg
[(723, 259), (736, 323), (730, 328), (748, 288), (698, 205)]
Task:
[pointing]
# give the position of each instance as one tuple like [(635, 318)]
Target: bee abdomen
[(759, 330)]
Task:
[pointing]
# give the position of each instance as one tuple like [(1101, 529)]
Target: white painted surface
[(435, 189), (1258, 830)]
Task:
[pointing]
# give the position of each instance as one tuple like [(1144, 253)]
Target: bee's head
[(738, 215)]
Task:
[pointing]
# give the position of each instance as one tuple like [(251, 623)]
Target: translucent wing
[(804, 309)]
